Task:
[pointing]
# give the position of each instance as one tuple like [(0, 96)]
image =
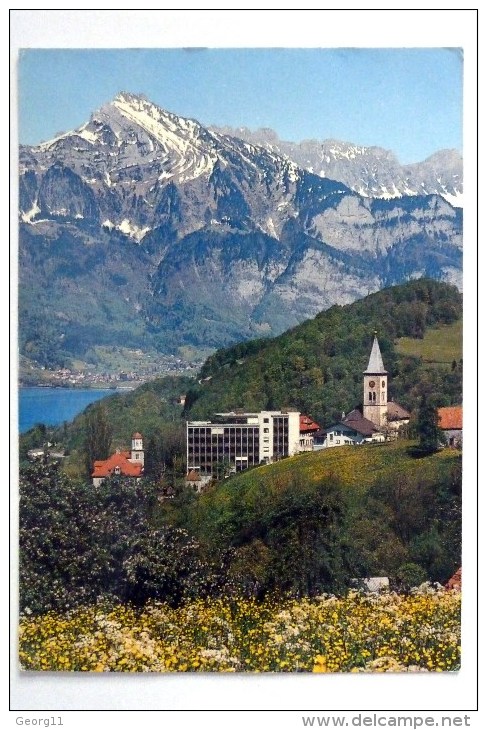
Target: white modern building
[(240, 440)]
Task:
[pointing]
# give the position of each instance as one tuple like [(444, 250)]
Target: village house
[(45, 452), (450, 420), (455, 582), (121, 463), (307, 430), (196, 480), (351, 430)]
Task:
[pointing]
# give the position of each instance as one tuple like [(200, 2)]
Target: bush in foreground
[(78, 542)]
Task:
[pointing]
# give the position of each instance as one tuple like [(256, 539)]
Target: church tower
[(375, 388), (137, 452)]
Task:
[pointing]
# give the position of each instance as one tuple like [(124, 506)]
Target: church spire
[(375, 388), (375, 366)]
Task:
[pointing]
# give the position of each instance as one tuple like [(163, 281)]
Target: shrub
[(410, 575)]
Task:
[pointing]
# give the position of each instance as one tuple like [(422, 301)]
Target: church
[(378, 419), (121, 463)]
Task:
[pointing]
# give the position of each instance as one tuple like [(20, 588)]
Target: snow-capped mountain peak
[(148, 225), (127, 154)]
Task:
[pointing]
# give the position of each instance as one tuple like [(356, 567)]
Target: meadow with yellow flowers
[(252, 576), (387, 632)]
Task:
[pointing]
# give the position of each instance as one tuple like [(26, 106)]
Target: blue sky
[(406, 100)]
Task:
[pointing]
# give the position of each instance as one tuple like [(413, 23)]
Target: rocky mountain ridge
[(370, 171), (142, 228)]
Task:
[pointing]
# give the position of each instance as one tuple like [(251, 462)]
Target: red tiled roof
[(137, 435), (306, 424), (455, 582), (107, 467), (193, 476), (451, 417)]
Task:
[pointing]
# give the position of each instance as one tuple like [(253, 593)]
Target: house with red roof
[(121, 463), (196, 480), (450, 420), (307, 430), (455, 582)]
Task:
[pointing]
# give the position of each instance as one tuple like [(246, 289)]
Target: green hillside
[(144, 409), (441, 345), (356, 468), (319, 518), (317, 367), (307, 525), (303, 526)]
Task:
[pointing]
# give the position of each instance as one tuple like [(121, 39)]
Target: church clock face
[(371, 383)]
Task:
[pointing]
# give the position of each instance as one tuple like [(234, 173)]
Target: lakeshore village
[(240, 361), (274, 543)]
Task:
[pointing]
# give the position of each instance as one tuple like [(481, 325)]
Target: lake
[(53, 406)]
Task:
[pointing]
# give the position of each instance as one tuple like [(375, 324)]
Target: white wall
[(293, 432)]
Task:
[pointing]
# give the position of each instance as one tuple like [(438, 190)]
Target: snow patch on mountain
[(132, 230), (86, 134), (455, 199), (126, 227), (188, 159), (29, 215), (370, 171)]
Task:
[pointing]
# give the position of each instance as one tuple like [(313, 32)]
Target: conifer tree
[(98, 437), (429, 432)]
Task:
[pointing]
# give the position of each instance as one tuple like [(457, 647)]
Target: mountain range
[(145, 229), (373, 172)]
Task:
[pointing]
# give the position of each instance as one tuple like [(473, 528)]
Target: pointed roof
[(355, 421), (396, 412), (306, 424), (375, 366)]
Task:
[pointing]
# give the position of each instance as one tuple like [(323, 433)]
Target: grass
[(354, 466), (439, 346)]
